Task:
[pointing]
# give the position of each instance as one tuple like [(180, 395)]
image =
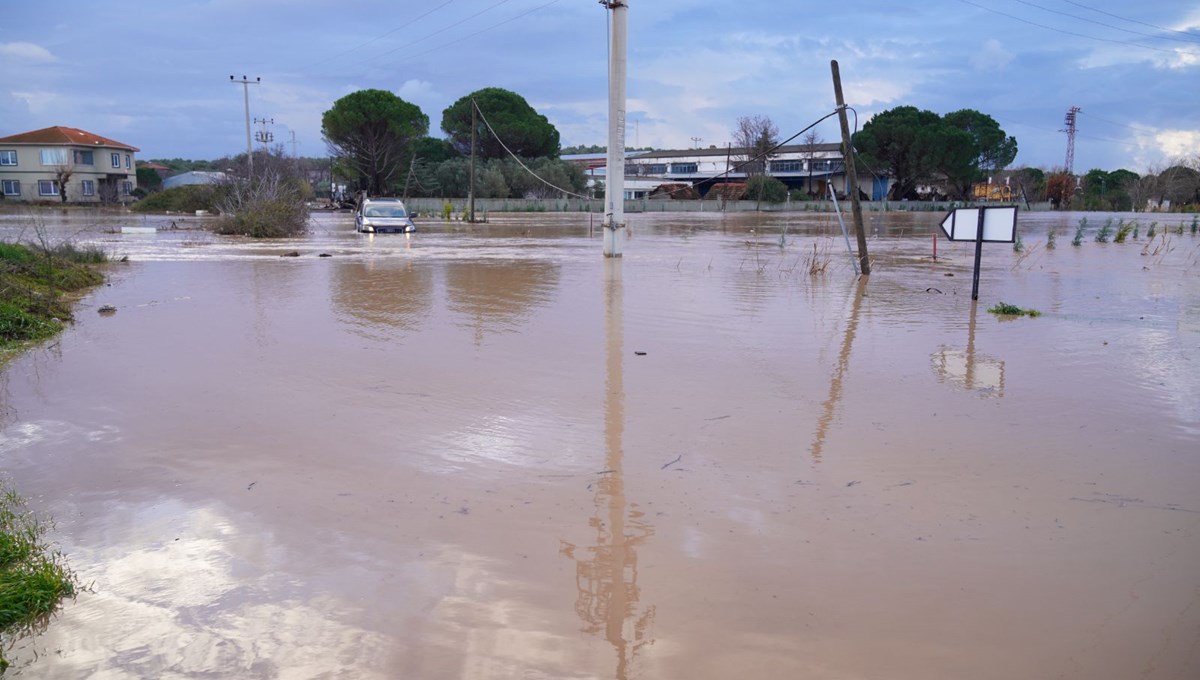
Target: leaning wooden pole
[(864, 261)]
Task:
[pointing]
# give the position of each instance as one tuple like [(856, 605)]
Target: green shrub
[(186, 199), (765, 188)]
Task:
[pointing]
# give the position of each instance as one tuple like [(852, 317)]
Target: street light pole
[(614, 186), (246, 83)]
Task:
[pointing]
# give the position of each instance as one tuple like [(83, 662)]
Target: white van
[(383, 215)]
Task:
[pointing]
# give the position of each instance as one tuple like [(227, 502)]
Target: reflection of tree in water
[(606, 578), (385, 293), (497, 296)]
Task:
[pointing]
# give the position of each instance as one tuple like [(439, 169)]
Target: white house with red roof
[(66, 164)]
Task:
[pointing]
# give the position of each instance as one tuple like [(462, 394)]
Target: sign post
[(989, 224)]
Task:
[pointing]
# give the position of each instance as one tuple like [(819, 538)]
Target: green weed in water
[(1152, 230), (1195, 224), (1136, 229), (1018, 244), (1105, 232), (1051, 235), (1078, 240), (1123, 230), (1005, 309)]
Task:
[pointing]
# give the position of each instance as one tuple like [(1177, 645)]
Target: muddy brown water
[(488, 452)]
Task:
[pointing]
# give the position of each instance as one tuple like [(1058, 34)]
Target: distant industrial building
[(811, 169)]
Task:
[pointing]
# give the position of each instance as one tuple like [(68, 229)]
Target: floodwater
[(487, 452)]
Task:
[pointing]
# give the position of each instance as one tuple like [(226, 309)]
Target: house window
[(126, 161), (89, 187), (8, 157), (54, 157), (47, 187), (116, 160), (787, 166), (10, 187), (654, 169), (126, 188), (683, 168), (85, 157)]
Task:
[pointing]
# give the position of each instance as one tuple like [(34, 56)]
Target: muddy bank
[(488, 453)]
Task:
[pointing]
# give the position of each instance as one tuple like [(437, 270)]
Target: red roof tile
[(64, 135)]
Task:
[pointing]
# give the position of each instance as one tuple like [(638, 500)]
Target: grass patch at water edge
[(35, 285), (34, 579)]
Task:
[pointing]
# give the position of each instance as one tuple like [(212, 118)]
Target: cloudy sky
[(156, 74)]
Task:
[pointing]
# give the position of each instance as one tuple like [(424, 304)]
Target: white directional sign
[(999, 224)]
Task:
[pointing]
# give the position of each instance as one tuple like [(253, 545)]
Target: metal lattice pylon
[(1072, 115)]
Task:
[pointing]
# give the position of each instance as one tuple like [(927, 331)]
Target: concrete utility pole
[(246, 83), (614, 186), (864, 262), (471, 189)]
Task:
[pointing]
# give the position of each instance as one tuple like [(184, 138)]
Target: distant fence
[(435, 206)]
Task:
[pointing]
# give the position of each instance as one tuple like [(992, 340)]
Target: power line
[(485, 30), (384, 35), (1072, 33), (1080, 136), (1132, 21), (1101, 23), (485, 10), (1136, 128)]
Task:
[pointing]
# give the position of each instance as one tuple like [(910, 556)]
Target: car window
[(384, 211)]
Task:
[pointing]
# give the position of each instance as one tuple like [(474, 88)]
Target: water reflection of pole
[(839, 372), (606, 581), (969, 378)]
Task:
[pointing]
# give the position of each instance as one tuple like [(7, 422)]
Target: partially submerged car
[(383, 215)]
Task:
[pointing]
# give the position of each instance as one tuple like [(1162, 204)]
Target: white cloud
[(40, 103), (991, 57), (25, 51), (1178, 143)]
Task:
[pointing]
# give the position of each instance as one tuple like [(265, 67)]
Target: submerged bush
[(268, 206)]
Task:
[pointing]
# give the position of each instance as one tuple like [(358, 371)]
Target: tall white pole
[(246, 83), (614, 186)]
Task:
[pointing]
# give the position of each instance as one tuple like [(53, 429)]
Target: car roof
[(383, 200)]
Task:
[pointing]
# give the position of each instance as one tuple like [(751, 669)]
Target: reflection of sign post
[(990, 224), (978, 373)]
